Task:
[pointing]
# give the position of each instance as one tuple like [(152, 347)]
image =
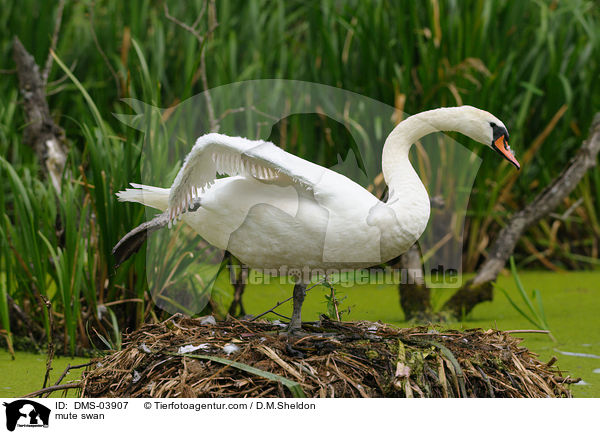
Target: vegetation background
[(535, 64)]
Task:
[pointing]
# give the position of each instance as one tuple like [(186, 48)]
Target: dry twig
[(51, 389)]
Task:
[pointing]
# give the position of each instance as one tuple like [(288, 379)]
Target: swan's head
[(486, 128)]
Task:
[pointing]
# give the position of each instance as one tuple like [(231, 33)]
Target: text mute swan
[(279, 213)]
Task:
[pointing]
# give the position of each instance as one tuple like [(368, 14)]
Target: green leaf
[(115, 326), (518, 309), (86, 95), (524, 296), (537, 295)]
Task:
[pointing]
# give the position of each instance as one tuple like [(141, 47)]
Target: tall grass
[(534, 64)]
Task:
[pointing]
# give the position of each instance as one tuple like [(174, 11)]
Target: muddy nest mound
[(184, 357)]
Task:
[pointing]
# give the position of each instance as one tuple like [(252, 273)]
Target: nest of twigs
[(184, 357)]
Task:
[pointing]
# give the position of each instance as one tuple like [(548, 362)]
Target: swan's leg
[(299, 293)]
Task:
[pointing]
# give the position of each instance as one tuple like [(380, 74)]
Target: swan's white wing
[(217, 153)]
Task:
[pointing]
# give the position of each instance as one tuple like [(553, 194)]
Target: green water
[(571, 302), (26, 373)]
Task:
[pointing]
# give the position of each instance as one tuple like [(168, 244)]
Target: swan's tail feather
[(148, 195)]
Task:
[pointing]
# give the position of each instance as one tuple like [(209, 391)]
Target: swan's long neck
[(397, 170), (407, 195)]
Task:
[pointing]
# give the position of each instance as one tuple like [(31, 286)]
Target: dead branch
[(53, 389), (546, 332), (41, 132), (480, 288), (65, 372)]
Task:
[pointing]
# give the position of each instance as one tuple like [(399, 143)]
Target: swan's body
[(334, 223), (279, 212)]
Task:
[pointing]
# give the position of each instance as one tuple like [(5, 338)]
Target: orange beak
[(502, 147)]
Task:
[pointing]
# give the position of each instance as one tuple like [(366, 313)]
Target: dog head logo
[(26, 413)]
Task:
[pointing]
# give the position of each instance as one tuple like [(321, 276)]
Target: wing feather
[(236, 156)]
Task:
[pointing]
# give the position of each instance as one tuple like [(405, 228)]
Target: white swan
[(280, 213)]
